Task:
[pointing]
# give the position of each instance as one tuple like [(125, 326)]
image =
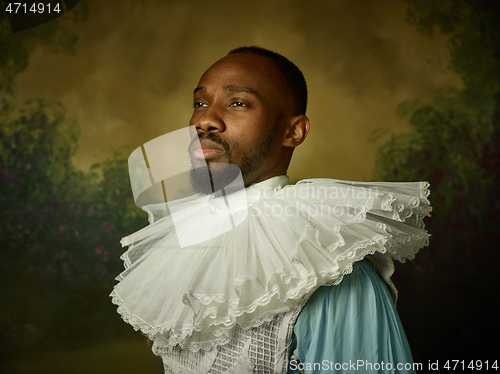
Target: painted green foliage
[(454, 140), (59, 227), (454, 143)]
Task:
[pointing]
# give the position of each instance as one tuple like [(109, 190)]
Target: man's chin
[(214, 177)]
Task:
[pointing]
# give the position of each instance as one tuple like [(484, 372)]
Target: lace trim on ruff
[(176, 338), (223, 328)]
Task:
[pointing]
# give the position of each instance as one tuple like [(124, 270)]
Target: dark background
[(399, 91)]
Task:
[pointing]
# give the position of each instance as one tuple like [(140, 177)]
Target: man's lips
[(208, 150), (206, 153)]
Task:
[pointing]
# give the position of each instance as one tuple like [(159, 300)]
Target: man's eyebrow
[(228, 88), (240, 89)]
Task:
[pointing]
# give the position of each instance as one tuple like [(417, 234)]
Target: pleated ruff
[(286, 242)]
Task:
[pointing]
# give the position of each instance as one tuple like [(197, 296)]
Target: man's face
[(238, 108)]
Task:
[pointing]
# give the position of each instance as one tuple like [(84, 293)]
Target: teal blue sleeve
[(352, 326)]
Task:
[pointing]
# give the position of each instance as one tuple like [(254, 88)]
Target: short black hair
[(292, 74)]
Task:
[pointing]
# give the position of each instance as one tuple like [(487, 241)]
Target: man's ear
[(297, 131)]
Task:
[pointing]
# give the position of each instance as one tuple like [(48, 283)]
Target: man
[(254, 116), (291, 284)]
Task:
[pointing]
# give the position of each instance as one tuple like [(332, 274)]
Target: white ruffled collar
[(266, 188), (283, 242), (219, 203)]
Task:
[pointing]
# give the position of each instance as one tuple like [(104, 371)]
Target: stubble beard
[(215, 176)]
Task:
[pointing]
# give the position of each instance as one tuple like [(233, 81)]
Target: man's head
[(249, 110), (296, 84)]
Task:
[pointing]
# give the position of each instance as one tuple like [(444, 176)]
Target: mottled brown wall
[(137, 63)]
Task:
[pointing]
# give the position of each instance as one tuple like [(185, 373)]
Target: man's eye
[(238, 103), (199, 104)]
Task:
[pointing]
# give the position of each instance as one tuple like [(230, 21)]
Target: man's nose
[(210, 120)]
